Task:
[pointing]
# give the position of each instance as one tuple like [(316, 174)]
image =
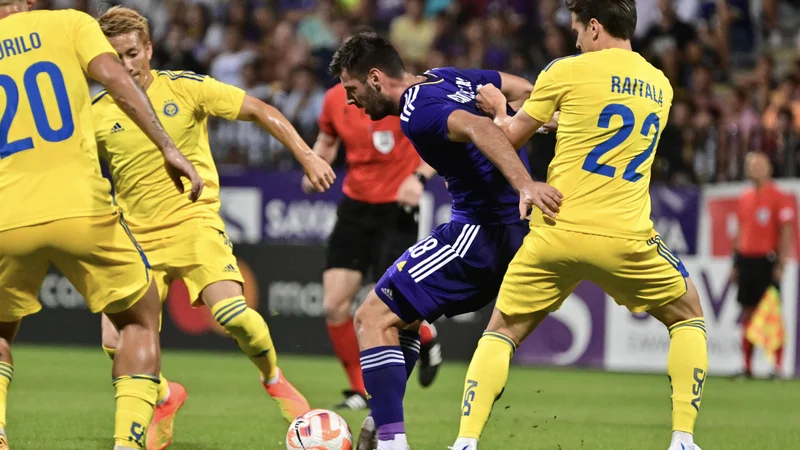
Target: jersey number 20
[(30, 79), (591, 163)]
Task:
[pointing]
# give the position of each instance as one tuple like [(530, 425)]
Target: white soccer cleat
[(682, 446), (465, 444)]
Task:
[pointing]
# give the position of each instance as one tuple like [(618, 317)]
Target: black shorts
[(755, 276), (370, 237)]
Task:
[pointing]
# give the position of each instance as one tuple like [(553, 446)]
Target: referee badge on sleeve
[(383, 141)]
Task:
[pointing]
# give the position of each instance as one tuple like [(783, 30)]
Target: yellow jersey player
[(612, 107), (56, 205), (161, 220)]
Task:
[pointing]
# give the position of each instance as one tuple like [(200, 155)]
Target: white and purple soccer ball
[(319, 429)]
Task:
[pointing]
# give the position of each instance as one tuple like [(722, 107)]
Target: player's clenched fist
[(540, 195), (178, 166), (319, 175), (490, 100)]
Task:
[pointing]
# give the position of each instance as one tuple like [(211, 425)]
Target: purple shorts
[(455, 270)]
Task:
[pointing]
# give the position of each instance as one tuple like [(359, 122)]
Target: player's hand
[(179, 167), (540, 195), (410, 191), (552, 126), (490, 100), (319, 175)]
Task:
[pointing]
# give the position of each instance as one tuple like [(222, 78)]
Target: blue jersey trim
[(557, 60), (100, 96), (185, 75)]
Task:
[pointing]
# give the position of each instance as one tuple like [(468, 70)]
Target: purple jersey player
[(460, 266)]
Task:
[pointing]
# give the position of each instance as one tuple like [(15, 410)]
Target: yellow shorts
[(638, 274), (96, 254), (197, 254)]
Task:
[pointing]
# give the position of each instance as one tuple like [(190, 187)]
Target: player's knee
[(368, 315), (110, 335), (683, 308)]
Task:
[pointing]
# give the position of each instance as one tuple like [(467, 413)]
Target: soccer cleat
[(289, 399), (3, 442), (353, 400), (368, 438), (159, 434), (465, 444), (681, 446), (430, 359)]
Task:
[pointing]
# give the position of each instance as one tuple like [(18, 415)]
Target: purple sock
[(384, 370), (409, 342)]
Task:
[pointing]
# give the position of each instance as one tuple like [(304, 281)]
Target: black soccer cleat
[(430, 359), (353, 400)]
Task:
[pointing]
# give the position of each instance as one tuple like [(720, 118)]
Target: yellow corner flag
[(766, 326)]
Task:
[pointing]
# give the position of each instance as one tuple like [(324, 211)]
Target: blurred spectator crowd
[(734, 64)]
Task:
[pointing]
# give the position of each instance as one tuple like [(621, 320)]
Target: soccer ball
[(319, 429)]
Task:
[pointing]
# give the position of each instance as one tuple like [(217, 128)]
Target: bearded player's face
[(366, 96)]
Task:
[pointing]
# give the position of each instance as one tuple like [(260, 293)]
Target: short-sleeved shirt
[(148, 197), (613, 106), (49, 168), (379, 157), (481, 194), (761, 212)]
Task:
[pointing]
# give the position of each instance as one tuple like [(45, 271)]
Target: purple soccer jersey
[(460, 266)]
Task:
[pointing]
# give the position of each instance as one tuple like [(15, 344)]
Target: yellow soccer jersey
[(144, 191), (48, 158), (613, 105)]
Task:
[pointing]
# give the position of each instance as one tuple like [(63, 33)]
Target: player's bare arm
[(515, 89), (317, 169), (411, 190), (107, 70), (465, 127), (518, 128), (326, 147)]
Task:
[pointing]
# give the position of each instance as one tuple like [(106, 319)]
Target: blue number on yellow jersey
[(48, 159), (613, 106)]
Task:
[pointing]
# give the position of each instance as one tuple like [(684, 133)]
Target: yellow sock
[(163, 386), (6, 375), (486, 379), (687, 365), (250, 332), (136, 398)]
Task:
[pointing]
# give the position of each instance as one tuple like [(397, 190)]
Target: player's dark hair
[(618, 17), (366, 51)]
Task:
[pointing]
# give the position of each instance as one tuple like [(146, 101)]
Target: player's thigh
[(100, 257), (638, 274), (685, 307), (543, 273), (23, 267), (350, 244), (203, 258)]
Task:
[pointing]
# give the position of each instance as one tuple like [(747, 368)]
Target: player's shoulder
[(565, 63), (335, 94), (180, 77)]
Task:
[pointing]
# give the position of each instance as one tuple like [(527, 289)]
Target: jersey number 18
[(30, 80), (592, 164)]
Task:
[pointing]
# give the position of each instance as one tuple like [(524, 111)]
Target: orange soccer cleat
[(289, 399), (159, 435), (3, 442)]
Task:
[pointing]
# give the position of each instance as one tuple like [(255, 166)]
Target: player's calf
[(136, 367), (488, 371), (687, 361), (8, 331), (384, 367), (250, 331)]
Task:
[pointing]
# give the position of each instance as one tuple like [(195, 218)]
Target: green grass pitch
[(62, 399)]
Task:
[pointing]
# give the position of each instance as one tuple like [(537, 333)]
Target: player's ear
[(374, 78), (594, 27), (148, 49)]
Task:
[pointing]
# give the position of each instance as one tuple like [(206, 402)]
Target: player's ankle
[(273, 380)]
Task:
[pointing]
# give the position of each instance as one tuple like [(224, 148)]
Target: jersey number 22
[(592, 164), (30, 80)]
